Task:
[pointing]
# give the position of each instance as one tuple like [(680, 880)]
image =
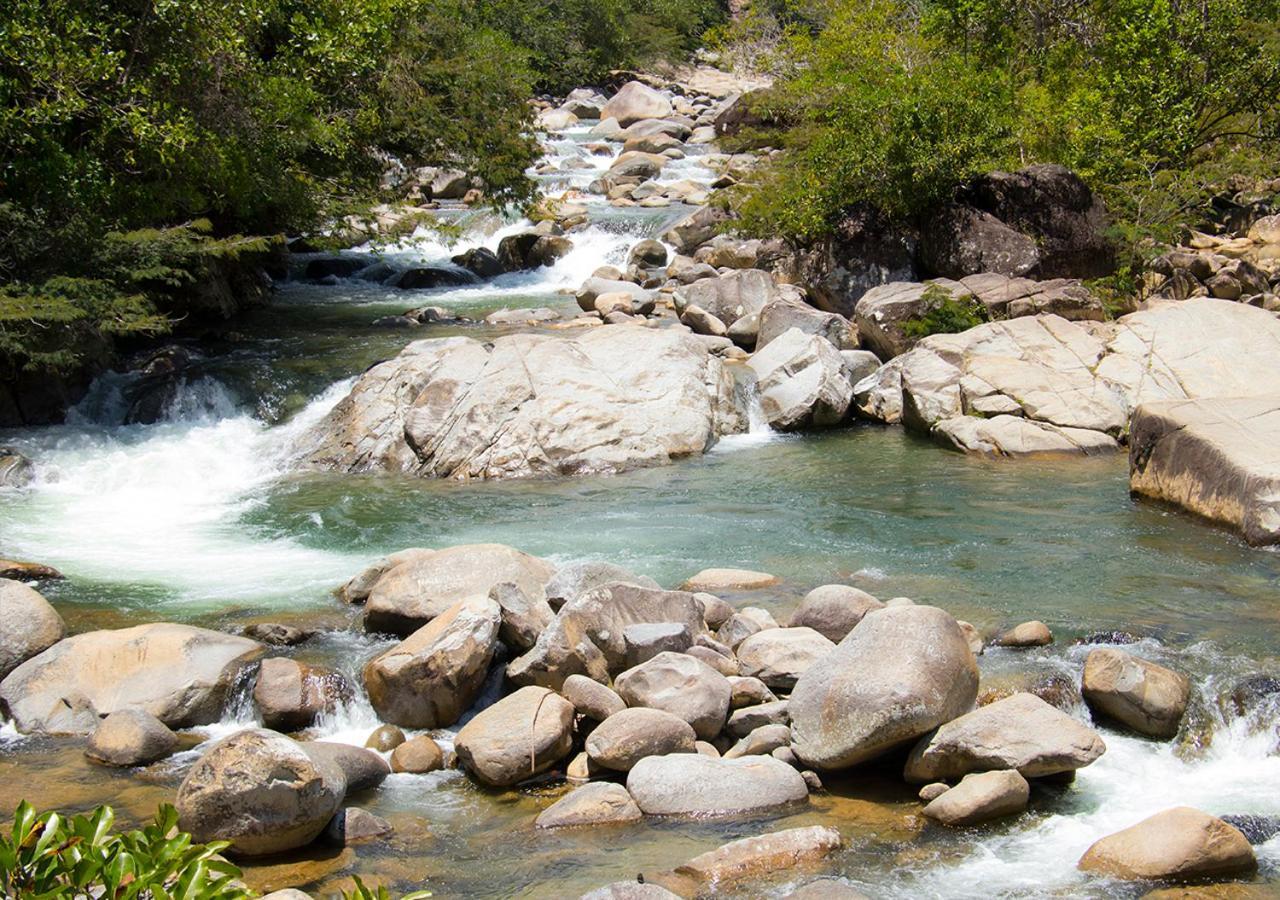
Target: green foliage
[(49, 856), (895, 103), (945, 314), (362, 892)]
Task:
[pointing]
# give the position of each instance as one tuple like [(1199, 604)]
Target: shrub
[(945, 314)]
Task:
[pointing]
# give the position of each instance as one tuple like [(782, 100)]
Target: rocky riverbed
[(573, 667)]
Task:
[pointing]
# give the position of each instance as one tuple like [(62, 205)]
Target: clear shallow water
[(200, 519)]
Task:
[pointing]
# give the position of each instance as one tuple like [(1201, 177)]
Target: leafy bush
[(945, 314), (362, 892), (49, 856)]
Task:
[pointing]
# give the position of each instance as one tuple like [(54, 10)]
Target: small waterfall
[(758, 431)]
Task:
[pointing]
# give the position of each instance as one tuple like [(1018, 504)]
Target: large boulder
[(131, 737), (801, 380), (1216, 458), (1041, 221), (261, 791), (1019, 732), (529, 404), (577, 578), (1043, 384), (780, 315), (363, 768), (178, 673), (833, 610), (690, 784), (28, 625), (1135, 692), (422, 584), (979, 798), (731, 296), (902, 672), (695, 229), (779, 656), (290, 695), (635, 101), (1179, 844), (518, 737), (588, 637), (430, 679), (681, 685), (630, 735), (602, 803)]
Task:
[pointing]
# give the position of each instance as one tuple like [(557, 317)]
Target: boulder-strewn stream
[(208, 518)]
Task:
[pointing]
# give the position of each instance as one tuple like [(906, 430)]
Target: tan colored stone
[(519, 736), (1135, 692), (1177, 844)]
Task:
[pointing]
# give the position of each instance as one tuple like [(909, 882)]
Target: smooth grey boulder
[(432, 677), (761, 741), (780, 315), (576, 578), (695, 229), (635, 101), (28, 625), (1137, 693), (801, 381), (779, 656), (261, 791), (518, 737), (178, 673), (601, 803), (901, 673), (1019, 732), (131, 737), (603, 401), (1215, 458), (681, 685), (693, 785), (586, 637), (363, 768), (833, 610), (749, 718), (731, 296), (596, 287), (980, 798), (421, 584), (591, 698), (745, 622), (628, 736)]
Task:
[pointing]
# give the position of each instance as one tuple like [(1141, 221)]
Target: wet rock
[(681, 685), (1021, 732), (1135, 692), (364, 769), (749, 692), (1257, 829), (481, 262), (417, 756), (933, 791), (761, 742), (980, 798), (131, 737), (28, 625), (1215, 458), (690, 784), (523, 617), (779, 656), (630, 890), (1178, 844), (261, 791), (422, 584), (635, 101), (901, 673), (602, 803), (334, 266), (605, 400), (586, 637), (385, 738), (428, 277), (1028, 634), (825, 889), (762, 856), (27, 571), (290, 695), (277, 634), (16, 470), (647, 254), (354, 825), (749, 718), (591, 698), (833, 610), (712, 580), (628, 736), (430, 679), (178, 673), (801, 382), (519, 736), (1252, 691)]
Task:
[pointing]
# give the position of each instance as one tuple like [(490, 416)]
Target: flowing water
[(198, 518)]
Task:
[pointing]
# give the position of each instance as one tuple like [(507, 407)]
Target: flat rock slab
[(693, 785), (604, 401), (764, 855), (712, 580), (1219, 458)]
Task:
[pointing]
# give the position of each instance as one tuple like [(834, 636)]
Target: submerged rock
[(28, 625), (178, 673), (1179, 844), (527, 404), (602, 803), (761, 856), (901, 673)]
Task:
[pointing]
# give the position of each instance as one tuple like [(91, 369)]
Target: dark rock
[(434, 277), (337, 266), (481, 261), (277, 634), (1258, 829), (514, 249)]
